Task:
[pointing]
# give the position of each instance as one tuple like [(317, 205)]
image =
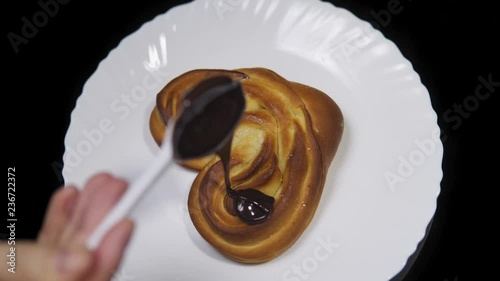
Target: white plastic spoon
[(212, 110)]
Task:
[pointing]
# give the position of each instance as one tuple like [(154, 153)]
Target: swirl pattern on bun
[(283, 147)]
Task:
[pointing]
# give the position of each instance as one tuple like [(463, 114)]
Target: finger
[(100, 204), (73, 264), (35, 262), (58, 214), (110, 252), (98, 197), (92, 186)]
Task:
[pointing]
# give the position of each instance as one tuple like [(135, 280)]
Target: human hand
[(59, 254)]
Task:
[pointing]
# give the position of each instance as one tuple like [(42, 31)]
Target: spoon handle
[(135, 191)]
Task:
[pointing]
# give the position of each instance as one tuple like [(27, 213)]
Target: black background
[(449, 43)]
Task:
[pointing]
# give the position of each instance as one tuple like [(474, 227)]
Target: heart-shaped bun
[(283, 147)]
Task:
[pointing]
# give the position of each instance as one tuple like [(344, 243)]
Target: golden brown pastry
[(283, 147)]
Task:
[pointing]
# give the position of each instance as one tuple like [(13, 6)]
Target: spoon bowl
[(211, 111)]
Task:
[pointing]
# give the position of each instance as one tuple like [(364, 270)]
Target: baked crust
[(283, 147)]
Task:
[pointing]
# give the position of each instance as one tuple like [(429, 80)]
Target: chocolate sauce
[(250, 205), (212, 110)]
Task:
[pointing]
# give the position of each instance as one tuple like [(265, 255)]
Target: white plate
[(366, 225)]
